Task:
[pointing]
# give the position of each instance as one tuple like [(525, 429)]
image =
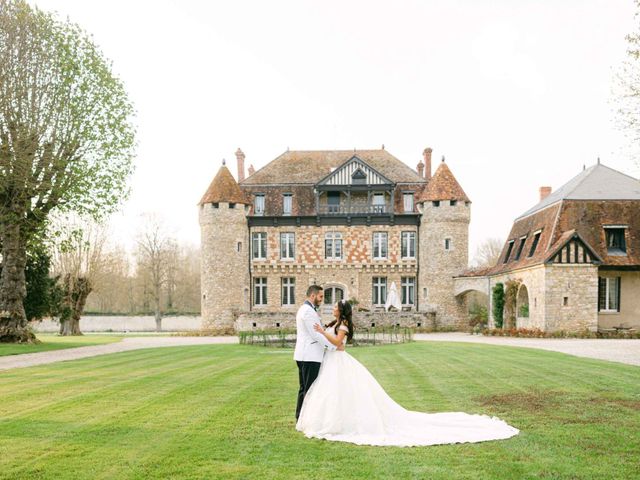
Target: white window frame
[(288, 290), (260, 291), (408, 238), (258, 204), (335, 240), (407, 202), (287, 201), (380, 253), (408, 285), (287, 246), (607, 295), (261, 239), (379, 290)]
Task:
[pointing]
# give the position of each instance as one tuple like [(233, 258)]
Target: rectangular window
[(453, 203), (333, 202), (447, 244), (407, 201), (378, 203), (260, 291), (408, 245), (259, 241), (379, 245), (616, 244), (379, 290), (287, 203), (609, 294), (258, 204), (408, 290), (534, 245), (520, 247), (287, 246), (333, 246), (288, 291), (509, 248)]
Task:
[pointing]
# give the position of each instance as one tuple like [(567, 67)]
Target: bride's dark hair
[(346, 311)]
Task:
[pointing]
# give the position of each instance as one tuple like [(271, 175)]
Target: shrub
[(498, 304)]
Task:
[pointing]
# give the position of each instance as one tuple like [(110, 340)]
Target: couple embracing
[(340, 400)]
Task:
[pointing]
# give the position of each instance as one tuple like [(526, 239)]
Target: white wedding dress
[(347, 404)]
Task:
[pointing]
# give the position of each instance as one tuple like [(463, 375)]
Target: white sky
[(515, 94)]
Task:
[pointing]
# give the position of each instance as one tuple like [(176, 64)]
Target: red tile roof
[(224, 188), (443, 186)]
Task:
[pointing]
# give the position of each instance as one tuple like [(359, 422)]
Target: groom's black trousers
[(307, 373)]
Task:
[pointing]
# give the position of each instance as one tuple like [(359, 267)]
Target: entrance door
[(332, 295)]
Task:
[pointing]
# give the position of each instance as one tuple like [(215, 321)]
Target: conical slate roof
[(443, 186), (224, 188)]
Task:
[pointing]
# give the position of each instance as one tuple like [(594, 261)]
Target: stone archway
[(522, 306)]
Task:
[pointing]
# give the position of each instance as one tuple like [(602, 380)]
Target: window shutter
[(618, 282)]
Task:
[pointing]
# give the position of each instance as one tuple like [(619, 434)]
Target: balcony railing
[(354, 210)]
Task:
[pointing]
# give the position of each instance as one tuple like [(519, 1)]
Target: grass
[(56, 342), (226, 411)]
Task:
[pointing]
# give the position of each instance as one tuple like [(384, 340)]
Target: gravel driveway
[(614, 350)]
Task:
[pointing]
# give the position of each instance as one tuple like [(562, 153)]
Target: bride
[(347, 404)]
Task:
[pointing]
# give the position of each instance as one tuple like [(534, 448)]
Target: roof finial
[(224, 162), (443, 158), (383, 146), (354, 149), (598, 160), (287, 148), (584, 167)]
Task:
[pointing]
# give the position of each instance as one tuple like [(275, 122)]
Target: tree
[(156, 249), (498, 305), (66, 139), (488, 252), (78, 262), (38, 284)]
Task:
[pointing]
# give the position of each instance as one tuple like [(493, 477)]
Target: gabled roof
[(224, 188), (343, 174), (597, 182), (443, 186), (299, 167), (567, 237)]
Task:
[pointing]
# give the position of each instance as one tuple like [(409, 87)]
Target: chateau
[(573, 259), (362, 224)]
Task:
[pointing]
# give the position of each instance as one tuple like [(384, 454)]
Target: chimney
[(544, 192), (420, 169), (427, 162), (251, 170), (240, 158)]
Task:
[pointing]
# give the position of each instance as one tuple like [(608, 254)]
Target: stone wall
[(123, 323), (571, 297), (439, 265), (533, 278), (224, 264)]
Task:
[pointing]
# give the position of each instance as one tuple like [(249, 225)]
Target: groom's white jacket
[(310, 345)]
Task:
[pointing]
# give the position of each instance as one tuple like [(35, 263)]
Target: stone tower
[(224, 245), (443, 245)]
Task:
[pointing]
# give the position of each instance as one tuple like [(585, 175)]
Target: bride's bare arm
[(336, 340)]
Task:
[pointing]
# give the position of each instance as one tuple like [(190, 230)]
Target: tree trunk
[(13, 320), (78, 291), (158, 312)]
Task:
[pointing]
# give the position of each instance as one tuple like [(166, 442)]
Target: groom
[(310, 345)]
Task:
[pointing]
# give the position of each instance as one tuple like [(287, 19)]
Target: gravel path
[(623, 351), (130, 343)]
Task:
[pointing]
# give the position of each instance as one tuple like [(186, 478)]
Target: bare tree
[(155, 247), (78, 261), (487, 253)]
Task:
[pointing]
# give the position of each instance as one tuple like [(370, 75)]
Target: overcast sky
[(515, 94)]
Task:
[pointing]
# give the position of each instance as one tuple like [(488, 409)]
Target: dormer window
[(615, 238), (534, 245), (407, 201), (359, 177), (520, 247), (258, 204), (509, 248), (287, 203)]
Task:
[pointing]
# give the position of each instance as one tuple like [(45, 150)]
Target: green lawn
[(55, 342), (226, 411)]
